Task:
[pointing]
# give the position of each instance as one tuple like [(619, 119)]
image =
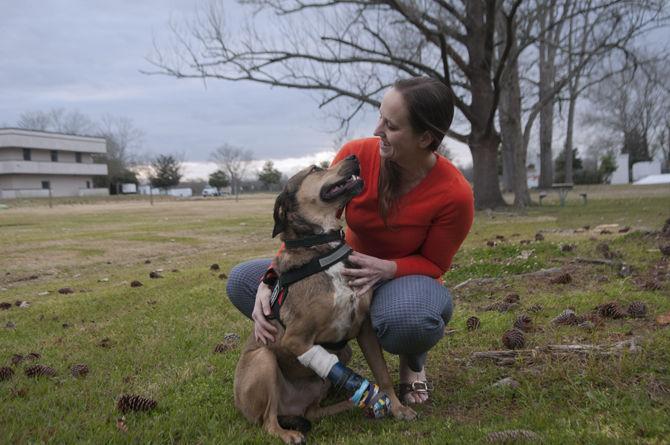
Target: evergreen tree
[(269, 175), (166, 172), (219, 179)]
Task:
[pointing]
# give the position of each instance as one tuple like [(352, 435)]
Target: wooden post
[(50, 198)]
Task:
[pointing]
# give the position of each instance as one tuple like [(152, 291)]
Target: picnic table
[(562, 188)]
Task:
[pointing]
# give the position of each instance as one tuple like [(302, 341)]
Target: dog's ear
[(281, 213)]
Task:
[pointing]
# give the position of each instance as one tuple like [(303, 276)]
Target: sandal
[(417, 387)]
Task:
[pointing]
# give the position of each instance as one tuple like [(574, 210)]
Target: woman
[(405, 228)]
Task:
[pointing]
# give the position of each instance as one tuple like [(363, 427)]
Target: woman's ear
[(426, 139)]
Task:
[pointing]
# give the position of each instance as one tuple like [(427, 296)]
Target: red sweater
[(431, 222)]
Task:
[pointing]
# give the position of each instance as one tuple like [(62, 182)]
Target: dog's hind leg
[(257, 392)]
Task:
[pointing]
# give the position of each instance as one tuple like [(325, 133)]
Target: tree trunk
[(484, 161), (513, 147), (547, 53), (568, 138), (483, 139)]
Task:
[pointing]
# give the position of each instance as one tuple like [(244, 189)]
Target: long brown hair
[(430, 108)]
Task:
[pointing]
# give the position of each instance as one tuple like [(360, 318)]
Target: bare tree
[(632, 107), (58, 120), (355, 49), (235, 162)]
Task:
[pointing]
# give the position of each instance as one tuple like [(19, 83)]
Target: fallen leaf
[(663, 319), (121, 424)]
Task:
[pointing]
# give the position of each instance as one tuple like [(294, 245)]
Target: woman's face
[(399, 141)]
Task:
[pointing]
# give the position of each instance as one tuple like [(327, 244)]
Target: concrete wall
[(60, 185), (643, 169), (37, 155), (620, 176)]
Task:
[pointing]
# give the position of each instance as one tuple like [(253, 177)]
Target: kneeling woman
[(405, 228)]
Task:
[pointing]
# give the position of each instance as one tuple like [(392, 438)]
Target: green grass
[(162, 335)]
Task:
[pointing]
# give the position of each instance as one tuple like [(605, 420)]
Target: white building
[(34, 162)]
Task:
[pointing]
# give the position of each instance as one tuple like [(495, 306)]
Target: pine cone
[(512, 298), (566, 318), (637, 309), (563, 278), (40, 370), (4, 306), (155, 274), (214, 267), (587, 325), (472, 323), (131, 402), (65, 290), (539, 237), (231, 336), (523, 323), (611, 310), (567, 247), (513, 339), (79, 370), (136, 283), (665, 250), (6, 373), (223, 276), (651, 285), (33, 356)]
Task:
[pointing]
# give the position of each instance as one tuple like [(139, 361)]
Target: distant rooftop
[(47, 140)]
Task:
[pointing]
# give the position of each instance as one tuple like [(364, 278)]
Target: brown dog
[(284, 382)]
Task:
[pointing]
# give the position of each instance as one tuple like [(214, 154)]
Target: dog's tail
[(296, 423)]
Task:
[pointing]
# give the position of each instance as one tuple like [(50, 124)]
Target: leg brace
[(365, 394)]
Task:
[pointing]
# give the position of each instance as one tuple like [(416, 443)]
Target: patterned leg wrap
[(366, 395)]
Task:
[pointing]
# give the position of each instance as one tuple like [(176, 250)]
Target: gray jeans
[(408, 313)]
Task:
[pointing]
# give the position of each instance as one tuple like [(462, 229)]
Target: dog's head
[(313, 197)]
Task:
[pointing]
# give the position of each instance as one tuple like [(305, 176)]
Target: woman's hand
[(264, 331), (372, 270)]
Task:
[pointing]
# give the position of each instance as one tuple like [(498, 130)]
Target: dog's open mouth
[(351, 186)]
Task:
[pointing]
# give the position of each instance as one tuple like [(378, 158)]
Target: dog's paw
[(403, 412), (292, 437)]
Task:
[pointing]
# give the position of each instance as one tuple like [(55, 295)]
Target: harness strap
[(315, 240), (323, 262)]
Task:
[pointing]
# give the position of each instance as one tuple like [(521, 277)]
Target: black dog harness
[(280, 283)]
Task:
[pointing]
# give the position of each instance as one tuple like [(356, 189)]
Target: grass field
[(158, 340)]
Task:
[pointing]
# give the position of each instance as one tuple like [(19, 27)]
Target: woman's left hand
[(372, 270)]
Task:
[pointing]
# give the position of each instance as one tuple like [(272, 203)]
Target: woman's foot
[(413, 386)]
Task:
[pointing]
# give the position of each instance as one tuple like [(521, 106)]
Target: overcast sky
[(86, 55)]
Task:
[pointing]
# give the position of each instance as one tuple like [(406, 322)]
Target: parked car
[(210, 191)]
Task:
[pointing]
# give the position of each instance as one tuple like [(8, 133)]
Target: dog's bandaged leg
[(365, 394)]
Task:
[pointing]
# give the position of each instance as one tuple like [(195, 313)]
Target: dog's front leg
[(327, 366), (374, 355)]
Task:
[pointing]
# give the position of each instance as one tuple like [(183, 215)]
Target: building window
[(54, 156), (46, 185), (26, 154), (77, 157), (88, 184)]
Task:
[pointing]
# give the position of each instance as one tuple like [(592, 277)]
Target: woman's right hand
[(264, 331)]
